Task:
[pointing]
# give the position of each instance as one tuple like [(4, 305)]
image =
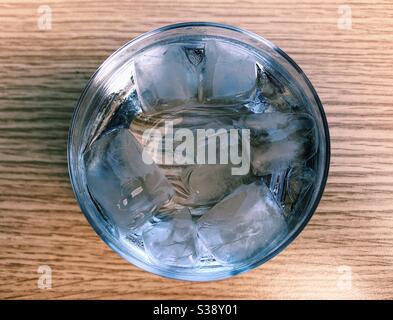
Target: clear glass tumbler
[(186, 215)]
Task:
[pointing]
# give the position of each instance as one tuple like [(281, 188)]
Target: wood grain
[(43, 72)]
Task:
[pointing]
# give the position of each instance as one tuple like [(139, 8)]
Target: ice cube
[(209, 183), (125, 187), (278, 96), (280, 140), (245, 223), (173, 240), (230, 73), (270, 87), (299, 181), (125, 113), (165, 77)]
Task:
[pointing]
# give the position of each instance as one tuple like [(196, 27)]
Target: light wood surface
[(42, 73)]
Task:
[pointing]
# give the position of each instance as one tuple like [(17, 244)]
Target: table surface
[(345, 48)]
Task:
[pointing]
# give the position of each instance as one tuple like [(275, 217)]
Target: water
[(204, 159)]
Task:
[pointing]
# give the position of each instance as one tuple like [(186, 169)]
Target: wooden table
[(346, 251)]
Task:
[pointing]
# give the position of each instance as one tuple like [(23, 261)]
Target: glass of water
[(198, 151)]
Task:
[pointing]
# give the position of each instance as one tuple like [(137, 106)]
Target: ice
[(173, 241), (126, 188), (270, 87), (243, 224), (209, 183), (175, 74), (165, 77), (196, 184), (280, 140), (230, 74), (191, 117), (115, 110), (299, 181), (275, 94), (127, 110)]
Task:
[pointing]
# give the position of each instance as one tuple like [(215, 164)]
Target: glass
[(182, 216)]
